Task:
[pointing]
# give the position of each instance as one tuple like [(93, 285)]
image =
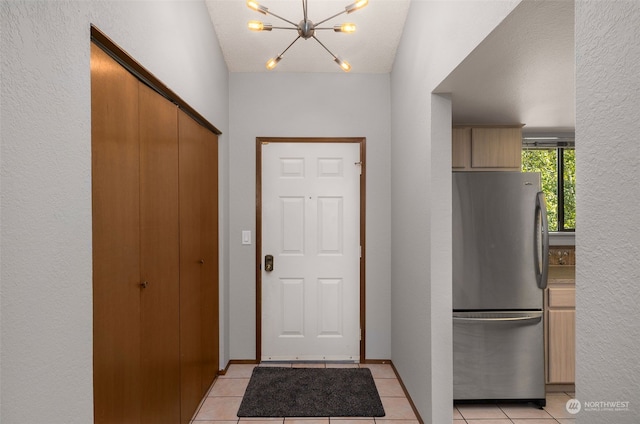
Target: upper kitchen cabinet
[(486, 148)]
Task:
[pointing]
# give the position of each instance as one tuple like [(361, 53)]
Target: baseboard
[(406, 393), (560, 388)]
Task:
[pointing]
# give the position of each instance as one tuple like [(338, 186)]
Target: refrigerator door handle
[(523, 318), (542, 246)]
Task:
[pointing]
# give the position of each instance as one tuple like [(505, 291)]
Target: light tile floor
[(554, 413), (223, 400), (224, 397)]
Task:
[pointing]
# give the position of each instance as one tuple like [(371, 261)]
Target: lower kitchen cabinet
[(561, 335)]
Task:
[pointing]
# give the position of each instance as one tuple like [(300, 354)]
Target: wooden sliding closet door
[(198, 261), (155, 252), (135, 249), (160, 259), (210, 270), (116, 241)]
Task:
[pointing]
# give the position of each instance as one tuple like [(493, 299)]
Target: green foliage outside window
[(545, 161)]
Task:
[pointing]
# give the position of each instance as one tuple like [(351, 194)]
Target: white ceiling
[(371, 49), (523, 72)]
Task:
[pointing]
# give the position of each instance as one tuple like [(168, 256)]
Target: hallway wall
[(437, 37), (46, 275), (283, 104), (607, 203)]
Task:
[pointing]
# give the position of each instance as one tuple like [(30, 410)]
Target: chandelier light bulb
[(254, 5), (356, 6), (259, 26), (273, 62), (346, 27), (344, 65)]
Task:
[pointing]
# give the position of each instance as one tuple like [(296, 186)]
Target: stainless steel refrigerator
[(500, 263)]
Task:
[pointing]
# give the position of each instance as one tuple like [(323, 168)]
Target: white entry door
[(311, 228)]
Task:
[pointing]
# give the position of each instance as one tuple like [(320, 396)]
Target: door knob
[(144, 284), (268, 263)]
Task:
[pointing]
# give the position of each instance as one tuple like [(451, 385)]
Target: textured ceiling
[(522, 72), (371, 49)]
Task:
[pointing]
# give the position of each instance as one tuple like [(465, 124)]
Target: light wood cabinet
[(560, 329), (461, 148), (155, 258), (479, 148)]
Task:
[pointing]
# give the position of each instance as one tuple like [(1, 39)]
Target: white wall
[(46, 277), (309, 105), (608, 199), (438, 35)]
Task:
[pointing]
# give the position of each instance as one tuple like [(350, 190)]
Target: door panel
[(330, 225), (160, 258), (190, 265), (311, 226), (292, 306), (562, 351), (198, 261), (330, 296), (209, 245), (116, 241)]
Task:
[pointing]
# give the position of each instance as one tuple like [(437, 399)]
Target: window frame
[(560, 144)]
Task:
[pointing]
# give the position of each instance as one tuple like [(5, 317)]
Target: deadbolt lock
[(268, 263)]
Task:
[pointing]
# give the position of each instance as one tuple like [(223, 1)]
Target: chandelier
[(306, 29)]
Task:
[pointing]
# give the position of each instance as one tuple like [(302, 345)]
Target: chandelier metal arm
[(325, 47), (292, 43), (331, 17), (304, 9)]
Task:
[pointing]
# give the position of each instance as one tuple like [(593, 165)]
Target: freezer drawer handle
[(526, 318)]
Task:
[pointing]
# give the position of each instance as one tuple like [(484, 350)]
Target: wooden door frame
[(266, 140)]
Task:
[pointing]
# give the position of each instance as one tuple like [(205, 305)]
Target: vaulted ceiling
[(371, 49), (522, 72)]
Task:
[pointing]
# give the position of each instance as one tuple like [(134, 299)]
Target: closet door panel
[(210, 343), (191, 265), (160, 259), (116, 243)]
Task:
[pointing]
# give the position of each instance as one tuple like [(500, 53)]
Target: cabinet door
[(562, 349), (116, 243), (160, 258), (460, 148), (496, 148)]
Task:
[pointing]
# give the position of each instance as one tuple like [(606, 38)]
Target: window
[(555, 159)]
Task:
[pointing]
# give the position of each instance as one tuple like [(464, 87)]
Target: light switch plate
[(246, 237)]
